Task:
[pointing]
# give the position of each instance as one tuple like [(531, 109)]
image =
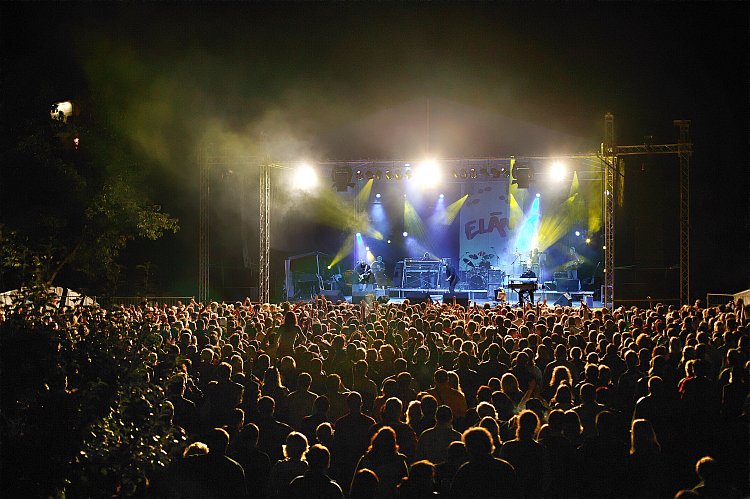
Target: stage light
[(588, 240), (473, 173), (404, 196), (377, 175), (538, 195), (442, 196), (342, 178), (305, 177), (427, 174), (578, 233), (521, 175), (405, 234), (387, 174), (367, 248), (359, 234), (329, 267), (557, 171), (377, 195), (389, 241)]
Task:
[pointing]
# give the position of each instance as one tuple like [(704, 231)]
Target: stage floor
[(480, 296)]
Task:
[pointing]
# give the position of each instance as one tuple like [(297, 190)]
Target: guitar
[(365, 276)]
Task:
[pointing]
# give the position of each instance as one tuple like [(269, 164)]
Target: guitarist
[(364, 271)]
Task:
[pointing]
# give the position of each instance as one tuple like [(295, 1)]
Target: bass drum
[(476, 281)]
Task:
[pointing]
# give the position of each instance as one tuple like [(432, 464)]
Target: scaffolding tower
[(611, 156)]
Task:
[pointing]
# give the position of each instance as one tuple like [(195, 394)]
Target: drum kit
[(481, 273)]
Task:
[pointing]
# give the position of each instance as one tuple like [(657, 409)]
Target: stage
[(469, 296)]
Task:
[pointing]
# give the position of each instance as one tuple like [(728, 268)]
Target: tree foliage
[(83, 411), (77, 204)]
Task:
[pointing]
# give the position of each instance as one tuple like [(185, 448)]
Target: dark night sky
[(310, 73)]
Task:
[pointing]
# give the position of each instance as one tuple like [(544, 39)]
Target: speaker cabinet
[(461, 298)]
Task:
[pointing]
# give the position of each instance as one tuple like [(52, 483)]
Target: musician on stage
[(378, 270), (573, 263), (452, 278), (364, 272), (527, 274)]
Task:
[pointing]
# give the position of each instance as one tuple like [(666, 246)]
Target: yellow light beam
[(452, 210), (413, 223), (344, 251)]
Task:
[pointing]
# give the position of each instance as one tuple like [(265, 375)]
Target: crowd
[(334, 400)]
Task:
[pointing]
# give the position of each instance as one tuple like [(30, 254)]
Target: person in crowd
[(299, 403), (528, 457), (318, 416), (420, 483), (446, 470), (385, 460), (287, 469), (315, 483), (272, 433), (447, 395), (483, 475), (407, 439), (254, 462), (212, 474), (712, 481), (648, 474), (433, 443), (364, 485), (350, 439)]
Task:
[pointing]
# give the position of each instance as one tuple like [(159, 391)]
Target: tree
[(73, 195)]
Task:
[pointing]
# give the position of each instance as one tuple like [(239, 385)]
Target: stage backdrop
[(485, 235)]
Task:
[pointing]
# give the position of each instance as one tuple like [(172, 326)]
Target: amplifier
[(568, 284)]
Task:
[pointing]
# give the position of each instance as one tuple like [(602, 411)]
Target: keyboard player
[(528, 274)]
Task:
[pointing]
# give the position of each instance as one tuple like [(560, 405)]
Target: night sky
[(323, 80)]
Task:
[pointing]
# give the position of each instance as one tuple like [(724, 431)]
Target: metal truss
[(610, 167), (204, 225), (264, 234), (611, 155)]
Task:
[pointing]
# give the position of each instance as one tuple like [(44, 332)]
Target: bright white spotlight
[(578, 233), (389, 241), (377, 195), (538, 195), (442, 196), (558, 171), (359, 234), (305, 177), (427, 174), (367, 248), (405, 234)]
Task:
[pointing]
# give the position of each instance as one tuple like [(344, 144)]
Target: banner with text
[(486, 240)]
